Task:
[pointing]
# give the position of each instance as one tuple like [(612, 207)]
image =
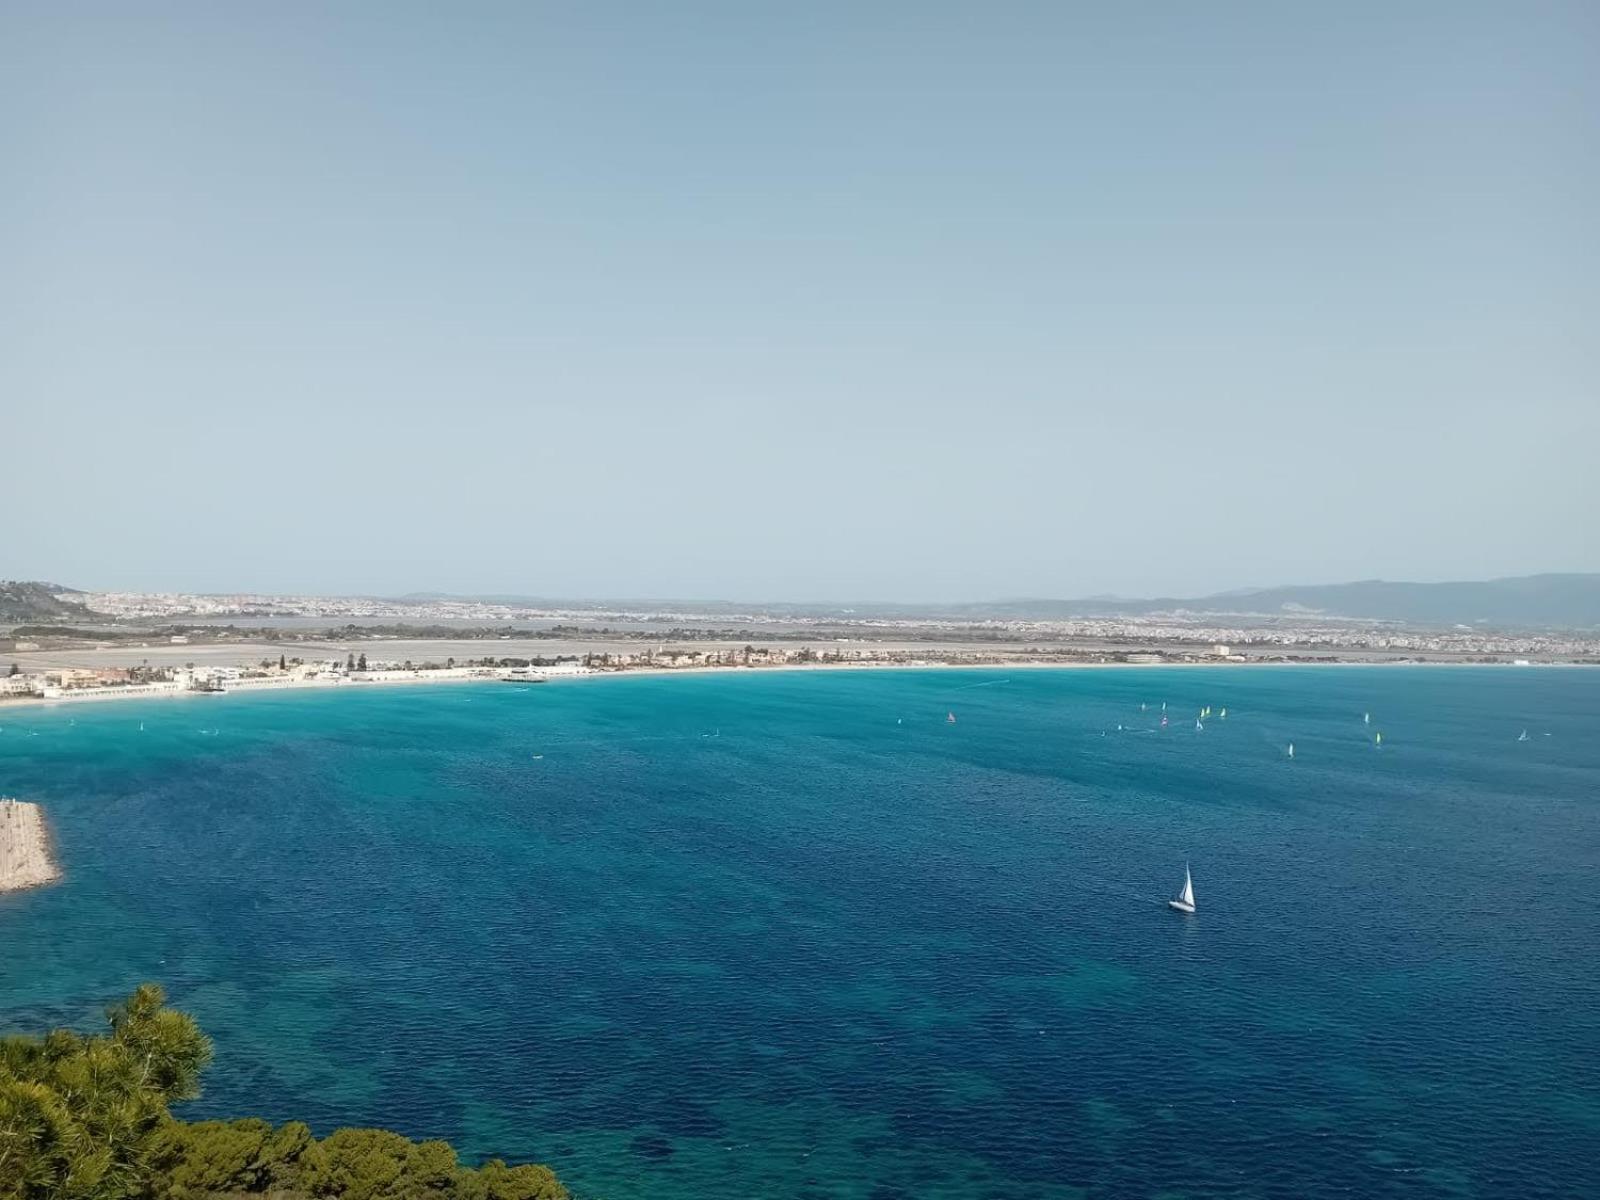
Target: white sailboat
[(1184, 901), (1223, 715), (1524, 736), (1291, 749), (1377, 739)]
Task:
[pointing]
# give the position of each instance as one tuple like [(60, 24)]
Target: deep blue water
[(846, 949)]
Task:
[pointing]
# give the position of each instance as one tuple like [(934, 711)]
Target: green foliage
[(77, 1115), (85, 1118), (213, 1159), (210, 1157), (500, 1182)]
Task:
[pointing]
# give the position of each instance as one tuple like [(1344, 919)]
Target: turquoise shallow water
[(794, 935)]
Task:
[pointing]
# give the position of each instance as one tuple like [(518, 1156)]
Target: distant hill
[(1523, 602), (23, 600), (1560, 601)]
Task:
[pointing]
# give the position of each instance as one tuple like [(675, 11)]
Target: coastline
[(25, 858), (457, 676)]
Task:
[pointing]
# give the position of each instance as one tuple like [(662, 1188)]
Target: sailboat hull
[(1181, 906)]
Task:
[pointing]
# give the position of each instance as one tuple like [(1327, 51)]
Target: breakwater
[(25, 860)]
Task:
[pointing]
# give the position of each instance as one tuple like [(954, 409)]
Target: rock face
[(24, 847)]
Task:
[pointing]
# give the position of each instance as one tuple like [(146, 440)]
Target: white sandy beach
[(475, 675)]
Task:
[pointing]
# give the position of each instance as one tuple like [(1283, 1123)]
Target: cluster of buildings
[(179, 605), (52, 685), (1287, 636), (87, 683), (1285, 632)]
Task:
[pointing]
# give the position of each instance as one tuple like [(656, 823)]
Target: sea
[(875, 934)]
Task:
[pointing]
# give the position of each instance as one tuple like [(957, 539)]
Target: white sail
[(1187, 895), (1291, 749)]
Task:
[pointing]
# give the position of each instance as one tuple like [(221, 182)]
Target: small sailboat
[(1198, 726), (949, 718), (1366, 718), (1184, 901), (1377, 739), (1291, 749), (1143, 706), (1523, 737), (1163, 720), (1223, 715), (1163, 706)]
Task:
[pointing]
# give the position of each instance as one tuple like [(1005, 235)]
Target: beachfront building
[(88, 677)]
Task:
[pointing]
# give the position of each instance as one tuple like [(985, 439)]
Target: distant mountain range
[(1526, 601), (1522, 602), (1562, 601)]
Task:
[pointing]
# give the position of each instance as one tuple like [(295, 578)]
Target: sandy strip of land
[(248, 654), (25, 860), (465, 675)]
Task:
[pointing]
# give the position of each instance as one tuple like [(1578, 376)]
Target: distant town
[(71, 645)]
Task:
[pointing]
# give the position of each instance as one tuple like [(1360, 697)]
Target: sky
[(893, 301)]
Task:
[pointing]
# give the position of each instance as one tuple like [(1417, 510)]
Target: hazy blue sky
[(863, 300)]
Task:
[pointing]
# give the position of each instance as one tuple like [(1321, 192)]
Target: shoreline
[(25, 858), (459, 676)]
